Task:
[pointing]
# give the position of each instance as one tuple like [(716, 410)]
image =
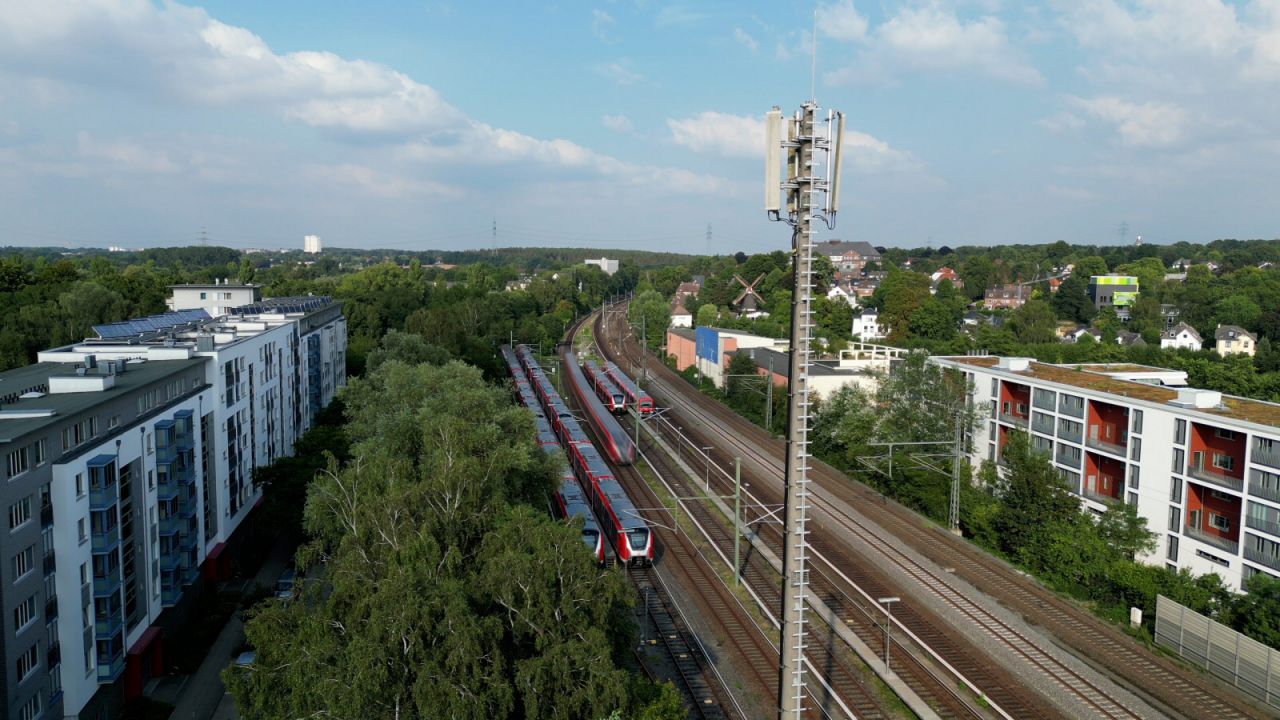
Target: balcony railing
[(1266, 526), (1212, 475), (1261, 557), (1231, 546), (1072, 409), (106, 585), (109, 669), (106, 540), (1066, 459), (50, 562), (171, 525), (1267, 493), (1105, 446), (1014, 419), (1100, 497), (1270, 458), (102, 497), (1042, 424)]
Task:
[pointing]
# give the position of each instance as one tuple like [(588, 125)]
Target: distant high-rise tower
[(311, 244)]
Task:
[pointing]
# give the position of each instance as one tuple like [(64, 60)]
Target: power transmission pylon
[(805, 190)]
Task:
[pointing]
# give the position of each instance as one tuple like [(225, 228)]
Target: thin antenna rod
[(813, 71)]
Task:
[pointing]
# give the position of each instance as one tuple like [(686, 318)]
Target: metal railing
[(1231, 546), (1266, 526), (1253, 554), (1210, 475), (1105, 446), (1014, 419), (1270, 458), (1265, 492)]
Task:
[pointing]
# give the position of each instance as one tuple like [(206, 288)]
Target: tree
[(707, 315), (1034, 322), (934, 321), (1239, 310), (1257, 614), (1072, 302), (650, 311), (899, 296), (407, 348), (1034, 501), (1087, 267)]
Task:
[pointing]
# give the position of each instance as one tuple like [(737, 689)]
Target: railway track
[(697, 678), (1170, 687)]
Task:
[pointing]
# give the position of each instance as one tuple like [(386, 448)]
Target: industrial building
[(1203, 468), (129, 461)]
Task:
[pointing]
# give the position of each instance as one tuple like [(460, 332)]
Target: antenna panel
[(773, 160), (837, 156)]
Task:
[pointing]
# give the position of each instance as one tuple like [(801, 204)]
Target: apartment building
[(1203, 468), (128, 470)]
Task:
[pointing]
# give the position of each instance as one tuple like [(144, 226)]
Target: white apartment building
[(218, 298), (129, 461), (1203, 468), (311, 244)]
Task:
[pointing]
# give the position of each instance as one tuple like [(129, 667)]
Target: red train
[(636, 398), (610, 396)]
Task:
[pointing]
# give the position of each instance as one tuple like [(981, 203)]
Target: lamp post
[(888, 623), (706, 477)]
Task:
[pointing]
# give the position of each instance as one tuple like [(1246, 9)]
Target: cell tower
[(810, 195)]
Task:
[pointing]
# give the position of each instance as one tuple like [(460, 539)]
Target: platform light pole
[(809, 196), (887, 602)]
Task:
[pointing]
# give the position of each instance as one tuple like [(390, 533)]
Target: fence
[(1242, 661)]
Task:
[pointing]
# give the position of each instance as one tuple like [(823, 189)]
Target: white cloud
[(743, 137), (618, 123), (933, 38), (344, 176), (602, 26), (743, 37), (126, 154), (1147, 124), (619, 73), (841, 21)]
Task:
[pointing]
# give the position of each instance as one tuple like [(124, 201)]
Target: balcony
[(1231, 546), (170, 526), (1263, 456), (105, 626), (1017, 420), (46, 516), (1042, 423), (1107, 447), (106, 540), (1261, 557), (109, 669), (1259, 490), (187, 541), (1071, 434), (1266, 526), (1066, 459), (1214, 476), (1096, 496), (102, 497), (170, 594), (170, 561), (51, 608), (106, 585), (54, 655), (50, 563)]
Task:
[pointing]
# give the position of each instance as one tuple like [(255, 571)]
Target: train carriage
[(636, 398), (572, 502), (610, 396), (615, 442)]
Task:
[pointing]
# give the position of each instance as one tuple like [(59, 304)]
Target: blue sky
[(632, 123)]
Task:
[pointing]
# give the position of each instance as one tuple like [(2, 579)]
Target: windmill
[(749, 302)]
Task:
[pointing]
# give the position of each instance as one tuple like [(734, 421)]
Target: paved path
[(203, 697)]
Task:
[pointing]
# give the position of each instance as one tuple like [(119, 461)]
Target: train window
[(638, 539), (591, 538)]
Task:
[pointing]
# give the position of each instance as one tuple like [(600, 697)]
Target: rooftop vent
[(1013, 364), (1198, 399)]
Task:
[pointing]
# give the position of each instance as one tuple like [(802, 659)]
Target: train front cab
[(637, 544)]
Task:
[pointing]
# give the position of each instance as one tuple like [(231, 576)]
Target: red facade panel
[(1103, 476), (1213, 512), (1218, 451), (1015, 400), (1108, 423)]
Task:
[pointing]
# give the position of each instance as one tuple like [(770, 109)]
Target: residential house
[(1006, 297), (1235, 340), (849, 257), (1182, 336)]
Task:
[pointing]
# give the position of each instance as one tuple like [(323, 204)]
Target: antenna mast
[(809, 196)]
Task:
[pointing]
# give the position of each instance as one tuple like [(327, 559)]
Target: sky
[(632, 124)]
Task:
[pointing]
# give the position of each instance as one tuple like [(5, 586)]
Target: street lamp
[(887, 602), (706, 478)]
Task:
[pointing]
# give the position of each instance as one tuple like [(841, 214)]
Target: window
[(1171, 551), (1134, 473), (1219, 522), (1179, 460), (27, 662), (42, 452), (149, 450), (1225, 434), (1212, 558), (17, 462), (1136, 421), (79, 485), (1175, 518), (1132, 499), (1224, 461), (1022, 409), (66, 438), (84, 537), (84, 573), (204, 296), (31, 710), (23, 614), (23, 562), (1180, 432), (77, 432), (1135, 449), (93, 426), (1175, 490), (995, 386), (113, 422), (19, 513)]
